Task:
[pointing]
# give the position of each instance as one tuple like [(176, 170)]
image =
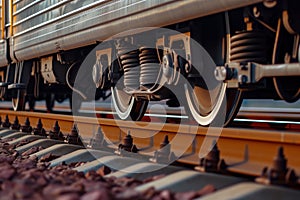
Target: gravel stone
[(27, 177)]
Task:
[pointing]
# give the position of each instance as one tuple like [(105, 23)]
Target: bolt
[(167, 65), (15, 125), (279, 173), (6, 123), (26, 128), (56, 127), (280, 162), (39, 129), (212, 162), (27, 122), (165, 142), (74, 138), (225, 73), (56, 134), (214, 154), (127, 144), (128, 141), (220, 73), (39, 124), (98, 140), (164, 154), (243, 79), (165, 147)]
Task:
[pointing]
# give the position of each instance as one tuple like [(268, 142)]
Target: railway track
[(207, 56), (248, 116), (241, 155)]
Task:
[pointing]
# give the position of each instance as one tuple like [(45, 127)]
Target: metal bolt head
[(39, 124), (27, 122), (280, 162), (220, 73), (26, 128), (128, 141), (16, 125), (243, 79), (56, 127), (6, 123), (167, 65), (74, 131), (214, 154)]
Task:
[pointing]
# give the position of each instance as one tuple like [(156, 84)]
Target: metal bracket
[(47, 70), (237, 75)]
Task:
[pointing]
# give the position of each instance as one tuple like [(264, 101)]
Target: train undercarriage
[(208, 65), (259, 61)]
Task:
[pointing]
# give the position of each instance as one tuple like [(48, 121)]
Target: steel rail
[(245, 151), (161, 111)]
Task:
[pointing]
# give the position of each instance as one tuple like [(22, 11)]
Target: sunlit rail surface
[(145, 58), (252, 111), (241, 154)]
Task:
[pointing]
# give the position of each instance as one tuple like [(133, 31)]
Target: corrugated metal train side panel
[(3, 59), (45, 27)]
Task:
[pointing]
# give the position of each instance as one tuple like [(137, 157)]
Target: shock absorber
[(250, 46), (149, 67), (129, 60)]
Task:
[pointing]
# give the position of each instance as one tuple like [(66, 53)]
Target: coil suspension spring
[(250, 46), (149, 66), (129, 58)]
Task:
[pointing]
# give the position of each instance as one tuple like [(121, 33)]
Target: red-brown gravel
[(24, 177)]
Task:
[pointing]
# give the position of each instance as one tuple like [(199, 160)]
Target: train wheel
[(126, 106), (210, 101), (287, 89), (18, 100), (207, 107), (203, 107)]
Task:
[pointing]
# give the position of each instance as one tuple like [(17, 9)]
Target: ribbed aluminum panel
[(45, 27), (3, 60)]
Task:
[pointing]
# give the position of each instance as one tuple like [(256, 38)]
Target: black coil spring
[(149, 66), (250, 46), (129, 58)]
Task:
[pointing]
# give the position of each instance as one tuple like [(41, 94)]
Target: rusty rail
[(245, 151)]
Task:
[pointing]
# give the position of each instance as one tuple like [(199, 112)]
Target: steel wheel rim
[(120, 99), (208, 118), (127, 107)]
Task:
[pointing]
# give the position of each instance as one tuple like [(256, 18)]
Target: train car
[(250, 49), (3, 53)]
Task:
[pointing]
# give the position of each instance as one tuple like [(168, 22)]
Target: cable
[(70, 86)]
